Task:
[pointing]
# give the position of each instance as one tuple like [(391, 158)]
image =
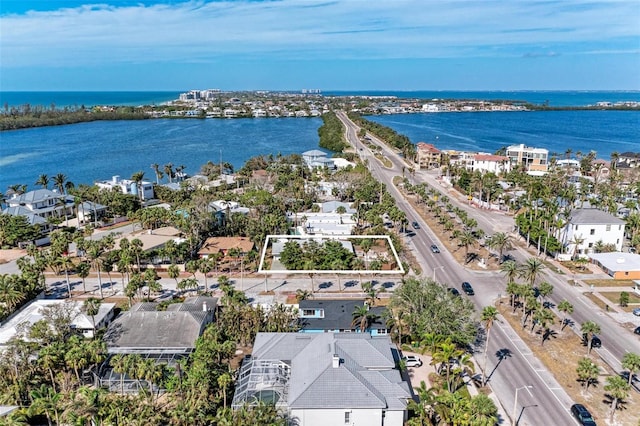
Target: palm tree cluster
[(445, 403), (528, 297), (453, 220), (45, 371)]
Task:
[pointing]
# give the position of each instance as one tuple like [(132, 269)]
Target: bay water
[(87, 152)]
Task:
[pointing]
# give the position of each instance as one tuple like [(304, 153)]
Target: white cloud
[(298, 29)]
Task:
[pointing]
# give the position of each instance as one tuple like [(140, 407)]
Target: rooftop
[(143, 328), (324, 371), (338, 314), (593, 217), (618, 261)]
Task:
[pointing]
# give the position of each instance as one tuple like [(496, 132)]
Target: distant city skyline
[(122, 45)]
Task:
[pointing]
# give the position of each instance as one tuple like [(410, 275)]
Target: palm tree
[(590, 328), (45, 401), (137, 177), (618, 389), (501, 242), (631, 362), (444, 354), (59, 181), (156, 170), (92, 307), (168, 170), (362, 317), (567, 309), (489, 315), (483, 411), (43, 181), (531, 269), (510, 269), (544, 317), (588, 372), (467, 239)]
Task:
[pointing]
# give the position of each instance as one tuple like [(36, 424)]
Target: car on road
[(434, 248), (635, 380), (412, 361), (595, 341), (454, 291), (637, 330), (636, 312), (582, 415), (468, 290), (415, 225)]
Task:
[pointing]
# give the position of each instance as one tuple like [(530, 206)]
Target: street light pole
[(515, 403)]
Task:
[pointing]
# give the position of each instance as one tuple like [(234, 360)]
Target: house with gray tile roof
[(326, 378)]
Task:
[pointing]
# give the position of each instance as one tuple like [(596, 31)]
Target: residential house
[(485, 163), (224, 244), (326, 315), (589, 226), (534, 160), (44, 203), (620, 266), (164, 336), (427, 156), (128, 186), (35, 311), (326, 379), (317, 159)]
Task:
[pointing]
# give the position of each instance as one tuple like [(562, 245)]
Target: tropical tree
[(618, 389), (483, 411), (92, 307), (363, 317), (531, 269), (43, 181), (502, 242), (156, 170), (631, 362), (590, 328), (467, 239), (489, 315), (588, 372), (45, 401), (567, 309)]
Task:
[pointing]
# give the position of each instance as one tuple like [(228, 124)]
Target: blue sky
[(330, 45)]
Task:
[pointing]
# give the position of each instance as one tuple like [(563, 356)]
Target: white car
[(412, 361)]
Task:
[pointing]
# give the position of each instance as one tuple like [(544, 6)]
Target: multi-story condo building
[(533, 160)]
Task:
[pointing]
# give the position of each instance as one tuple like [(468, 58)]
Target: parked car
[(415, 225), (582, 415), (637, 330), (454, 291), (595, 341), (434, 248), (468, 290), (636, 312), (412, 361)]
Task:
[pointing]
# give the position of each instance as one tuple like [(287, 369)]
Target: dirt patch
[(595, 299), (560, 354), (609, 283), (11, 254)]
